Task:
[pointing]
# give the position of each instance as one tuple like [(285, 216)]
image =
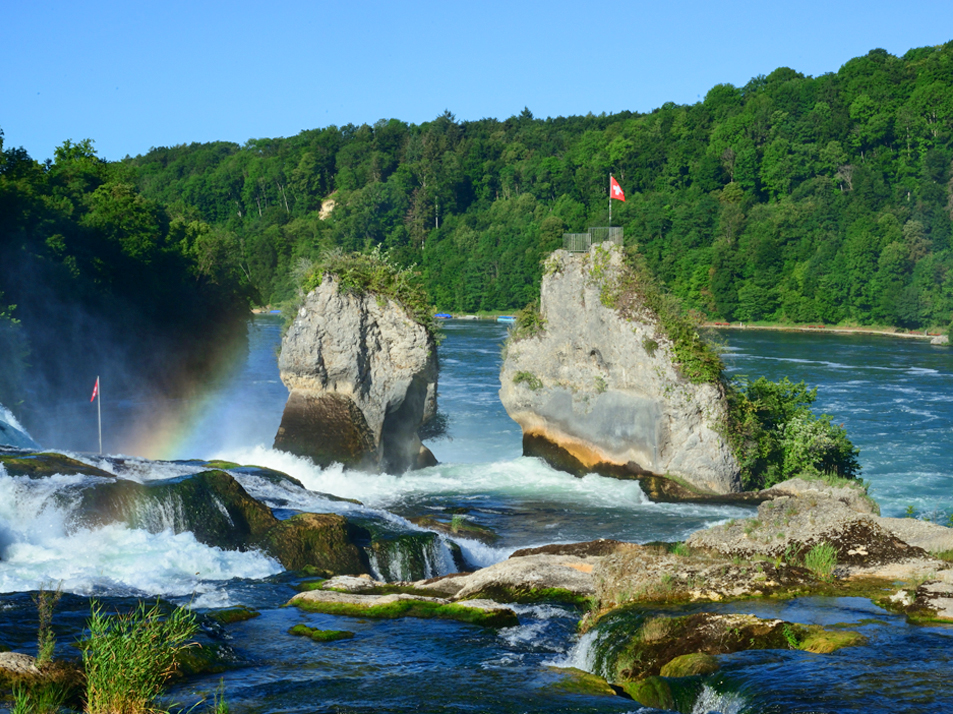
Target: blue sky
[(132, 76)]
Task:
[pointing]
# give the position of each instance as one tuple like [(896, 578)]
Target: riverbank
[(827, 329)]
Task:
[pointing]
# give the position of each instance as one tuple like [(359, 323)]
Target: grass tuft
[(821, 560), (129, 658)]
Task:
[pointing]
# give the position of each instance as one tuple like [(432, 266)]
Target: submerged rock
[(324, 541), (393, 605), (639, 651), (598, 388), (20, 462), (363, 378)]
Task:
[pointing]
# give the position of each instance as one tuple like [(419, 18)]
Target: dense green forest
[(96, 278), (792, 198)]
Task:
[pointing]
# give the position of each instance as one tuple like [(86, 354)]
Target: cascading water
[(894, 397)]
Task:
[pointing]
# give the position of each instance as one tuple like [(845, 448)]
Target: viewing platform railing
[(580, 242)]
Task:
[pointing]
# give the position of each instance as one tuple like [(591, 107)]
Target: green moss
[(203, 659), (233, 614), (529, 322), (576, 681), (689, 665), (414, 608), (821, 641), (320, 635), (529, 379), (309, 585), (946, 555), (217, 464), (41, 465), (652, 692), (526, 594), (321, 541)]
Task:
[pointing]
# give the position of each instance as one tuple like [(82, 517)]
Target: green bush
[(375, 273), (128, 658), (775, 435), (696, 359), (529, 322)]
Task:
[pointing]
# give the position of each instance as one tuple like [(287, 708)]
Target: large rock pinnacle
[(363, 379), (598, 390)]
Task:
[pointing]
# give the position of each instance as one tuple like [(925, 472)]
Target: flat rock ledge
[(392, 605)]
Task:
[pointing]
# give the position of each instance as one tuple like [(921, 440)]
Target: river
[(895, 398)]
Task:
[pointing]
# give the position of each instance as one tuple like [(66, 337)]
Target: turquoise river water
[(894, 396)]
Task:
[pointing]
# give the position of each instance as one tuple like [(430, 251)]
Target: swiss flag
[(95, 390), (615, 190)]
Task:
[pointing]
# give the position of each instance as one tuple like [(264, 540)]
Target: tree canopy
[(793, 198)]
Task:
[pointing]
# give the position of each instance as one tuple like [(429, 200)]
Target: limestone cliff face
[(363, 379), (599, 392)]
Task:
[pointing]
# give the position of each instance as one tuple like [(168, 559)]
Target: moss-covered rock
[(323, 541), (230, 615), (637, 645), (320, 635), (821, 641), (690, 665), (457, 526), (45, 464), (528, 594), (388, 607), (576, 681), (652, 692), (212, 505)]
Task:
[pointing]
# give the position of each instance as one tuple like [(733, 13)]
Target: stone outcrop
[(599, 391), (363, 379)]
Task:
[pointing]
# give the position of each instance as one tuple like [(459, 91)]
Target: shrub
[(696, 359), (46, 601), (128, 658), (529, 322), (374, 272), (775, 435)]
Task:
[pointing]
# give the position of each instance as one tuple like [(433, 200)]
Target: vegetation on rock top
[(375, 273)]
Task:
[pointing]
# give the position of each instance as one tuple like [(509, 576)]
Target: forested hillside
[(792, 198), (97, 279)]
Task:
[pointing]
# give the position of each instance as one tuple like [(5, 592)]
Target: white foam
[(711, 701), (582, 655), (523, 477), (7, 416), (38, 544)]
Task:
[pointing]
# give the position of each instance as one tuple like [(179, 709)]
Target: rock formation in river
[(363, 380), (598, 387)]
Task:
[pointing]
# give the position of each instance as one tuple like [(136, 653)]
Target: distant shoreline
[(823, 329)]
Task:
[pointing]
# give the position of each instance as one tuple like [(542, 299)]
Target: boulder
[(363, 378), (788, 527), (598, 389), (392, 605)]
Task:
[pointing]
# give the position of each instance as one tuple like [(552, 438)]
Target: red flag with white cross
[(615, 190)]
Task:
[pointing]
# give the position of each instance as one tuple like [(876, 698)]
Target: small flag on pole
[(95, 390), (615, 190)]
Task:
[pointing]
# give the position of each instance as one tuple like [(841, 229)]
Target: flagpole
[(610, 200), (99, 413)]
